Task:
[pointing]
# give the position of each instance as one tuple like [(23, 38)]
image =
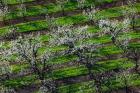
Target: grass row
[(109, 50), (62, 59), (113, 82), (42, 24), (102, 40), (105, 51), (16, 1), (72, 71), (49, 8), (77, 70)]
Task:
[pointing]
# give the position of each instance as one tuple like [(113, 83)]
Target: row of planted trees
[(74, 38), (86, 53), (5, 8)]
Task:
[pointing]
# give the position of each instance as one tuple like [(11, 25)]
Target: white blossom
[(81, 3), (4, 89), (90, 13)]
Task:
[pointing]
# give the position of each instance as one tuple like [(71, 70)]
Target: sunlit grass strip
[(72, 71), (105, 51), (16, 1), (45, 38), (101, 40), (50, 8), (86, 87), (42, 24), (108, 50)]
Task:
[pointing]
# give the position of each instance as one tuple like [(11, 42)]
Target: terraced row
[(115, 84), (45, 38), (76, 19), (105, 51), (71, 72), (11, 2), (48, 9), (66, 71)]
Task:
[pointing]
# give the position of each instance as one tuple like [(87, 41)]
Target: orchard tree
[(75, 40), (131, 12), (134, 54), (23, 10), (50, 21), (4, 89), (114, 28), (28, 50), (91, 14), (4, 10), (51, 87), (88, 55), (103, 79), (81, 3), (124, 78), (69, 35), (131, 51), (5, 69), (12, 33), (62, 4)]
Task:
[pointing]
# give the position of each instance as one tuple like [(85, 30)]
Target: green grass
[(104, 51), (49, 8), (86, 87), (100, 40), (16, 1), (73, 71), (41, 24)]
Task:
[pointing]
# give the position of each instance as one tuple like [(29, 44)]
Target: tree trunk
[(4, 22), (92, 22), (63, 11), (137, 65), (24, 19), (126, 85), (89, 67), (97, 84), (126, 90), (133, 22), (113, 40)]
